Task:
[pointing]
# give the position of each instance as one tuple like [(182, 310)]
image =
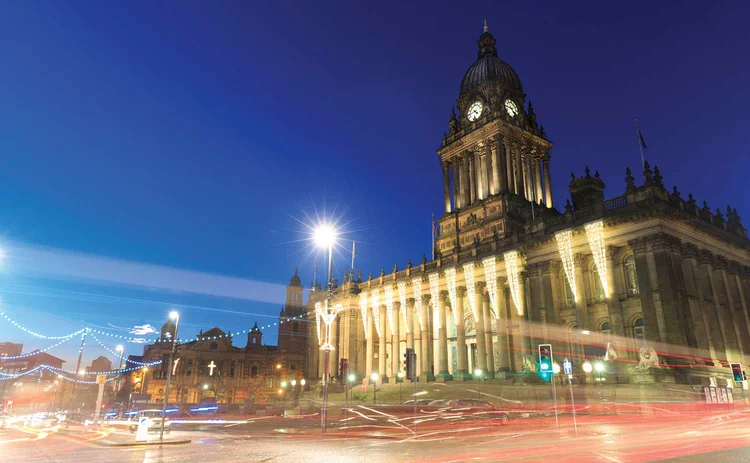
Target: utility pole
[(78, 368)]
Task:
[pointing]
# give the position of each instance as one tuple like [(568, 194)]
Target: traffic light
[(737, 373), (545, 357), (343, 370), (410, 363)]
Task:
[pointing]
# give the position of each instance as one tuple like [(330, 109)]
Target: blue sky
[(195, 135)]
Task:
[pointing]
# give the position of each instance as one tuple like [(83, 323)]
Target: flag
[(640, 136)]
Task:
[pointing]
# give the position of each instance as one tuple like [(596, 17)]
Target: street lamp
[(175, 316), (374, 379), (600, 368), (325, 237), (294, 383)]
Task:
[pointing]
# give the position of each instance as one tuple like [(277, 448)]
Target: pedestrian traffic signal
[(545, 357), (737, 373), (343, 370)]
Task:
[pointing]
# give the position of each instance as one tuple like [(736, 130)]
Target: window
[(605, 328), (214, 346), (295, 328), (254, 371), (598, 288), (231, 369), (570, 299), (189, 369), (639, 331), (631, 279)]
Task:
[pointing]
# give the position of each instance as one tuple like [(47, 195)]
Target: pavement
[(372, 434)]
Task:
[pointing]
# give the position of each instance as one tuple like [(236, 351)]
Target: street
[(624, 438)]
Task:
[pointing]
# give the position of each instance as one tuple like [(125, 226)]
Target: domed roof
[(489, 68), (295, 281)]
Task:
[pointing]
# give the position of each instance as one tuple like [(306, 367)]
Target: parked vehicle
[(153, 421)]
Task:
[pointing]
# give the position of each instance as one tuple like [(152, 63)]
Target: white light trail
[(565, 247), (595, 235)]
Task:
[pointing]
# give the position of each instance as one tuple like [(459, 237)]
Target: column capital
[(410, 301), (444, 295), (486, 296), (461, 291), (580, 260), (662, 241), (501, 281), (396, 305), (545, 266), (734, 268), (612, 252), (480, 285), (705, 257), (426, 299), (721, 263), (689, 251), (638, 245)]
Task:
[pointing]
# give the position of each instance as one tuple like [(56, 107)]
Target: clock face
[(475, 110), (511, 107)]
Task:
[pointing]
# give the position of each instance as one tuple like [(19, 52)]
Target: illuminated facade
[(646, 269), (212, 369)]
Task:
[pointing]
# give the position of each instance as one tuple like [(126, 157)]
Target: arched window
[(605, 327), (254, 371), (570, 298), (639, 331), (631, 279), (214, 346), (598, 288)]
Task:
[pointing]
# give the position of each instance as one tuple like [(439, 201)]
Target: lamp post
[(173, 315), (302, 390), (325, 237)]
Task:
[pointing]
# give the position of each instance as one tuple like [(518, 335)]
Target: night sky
[(202, 135)]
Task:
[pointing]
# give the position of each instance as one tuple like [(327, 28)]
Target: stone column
[(382, 371), (648, 308), (443, 372), (509, 163), (538, 197), (489, 345), (526, 191), (744, 316), (463, 361), (698, 310), (733, 318), (370, 344), (396, 341), (410, 318), (501, 175), (523, 315), (716, 330), (446, 188), (481, 362), (518, 173), (426, 342), (465, 180), (582, 310), (547, 182), (472, 179), (675, 329), (613, 300), (503, 327), (456, 189), (487, 170)]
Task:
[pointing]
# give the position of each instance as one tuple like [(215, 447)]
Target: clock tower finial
[(485, 24)]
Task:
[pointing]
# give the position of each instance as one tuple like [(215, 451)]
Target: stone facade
[(511, 271)]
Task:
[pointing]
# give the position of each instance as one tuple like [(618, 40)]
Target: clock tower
[(495, 157)]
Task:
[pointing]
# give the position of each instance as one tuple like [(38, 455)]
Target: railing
[(615, 203)]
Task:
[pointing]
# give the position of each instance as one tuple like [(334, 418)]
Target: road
[(631, 438)]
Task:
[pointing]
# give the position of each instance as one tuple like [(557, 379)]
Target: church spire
[(485, 25)]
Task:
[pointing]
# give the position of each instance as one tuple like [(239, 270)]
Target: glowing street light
[(294, 383), (325, 237), (174, 316), (205, 387), (587, 368), (352, 377), (374, 377), (599, 367), (283, 384), (302, 382), (555, 368)]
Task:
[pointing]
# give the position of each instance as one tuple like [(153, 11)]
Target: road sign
[(101, 379), (545, 357), (567, 367)]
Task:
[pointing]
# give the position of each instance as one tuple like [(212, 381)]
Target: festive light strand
[(375, 297), (565, 248), (450, 276), (402, 299), (595, 235), (511, 268), (490, 276), (435, 296), (18, 375), (108, 372), (471, 288), (416, 285), (34, 333), (389, 306), (363, 311), (38, 351)]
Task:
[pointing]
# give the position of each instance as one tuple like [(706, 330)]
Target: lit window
[(605, 328), (639, 331), (630, 276)]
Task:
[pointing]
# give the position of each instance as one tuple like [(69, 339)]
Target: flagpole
[(640, 144)]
